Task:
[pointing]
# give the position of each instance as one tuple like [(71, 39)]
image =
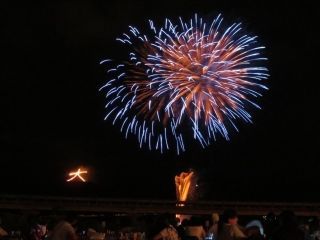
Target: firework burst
[(185, 77)]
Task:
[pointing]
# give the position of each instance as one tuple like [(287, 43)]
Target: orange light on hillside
[(77, 174)]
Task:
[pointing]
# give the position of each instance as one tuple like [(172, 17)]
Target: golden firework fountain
[(183, 183)]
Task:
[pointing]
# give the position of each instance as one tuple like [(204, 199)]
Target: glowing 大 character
[(193, 78), (77, 174)]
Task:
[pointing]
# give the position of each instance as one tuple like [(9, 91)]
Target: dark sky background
[(52, 113)]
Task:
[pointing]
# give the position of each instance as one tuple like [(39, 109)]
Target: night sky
[(52, 112)]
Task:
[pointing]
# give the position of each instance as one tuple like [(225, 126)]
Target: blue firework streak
[(187, 77)]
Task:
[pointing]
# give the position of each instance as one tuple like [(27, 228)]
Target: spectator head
[(215, 217), (255, 226), (169, 219), (185, 222), (288, 218), (313, 223), (71, 218), (230, 216)]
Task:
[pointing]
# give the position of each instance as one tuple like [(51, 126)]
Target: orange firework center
[(199, 69)]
